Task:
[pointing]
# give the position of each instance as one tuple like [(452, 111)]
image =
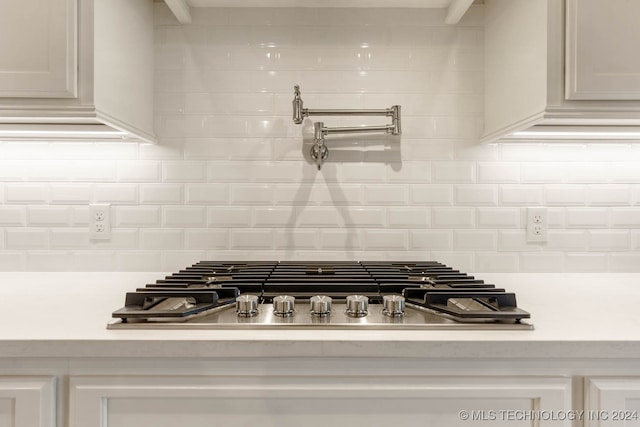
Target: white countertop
[(65, 315)]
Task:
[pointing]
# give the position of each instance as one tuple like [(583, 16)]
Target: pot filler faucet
[(319, 151)]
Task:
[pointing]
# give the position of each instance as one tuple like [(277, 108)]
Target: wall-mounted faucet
[(319, 151)]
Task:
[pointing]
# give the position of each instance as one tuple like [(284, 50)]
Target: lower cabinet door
[(612, 401), (314, 401), (27, 401)]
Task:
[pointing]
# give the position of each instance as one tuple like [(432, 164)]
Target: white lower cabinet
[(310, 401), (612, 401), (27, 401)]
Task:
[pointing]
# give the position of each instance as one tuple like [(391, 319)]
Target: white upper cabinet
[(38, 51), (455, 9), (557, 69), (603, 41), (76, 69)]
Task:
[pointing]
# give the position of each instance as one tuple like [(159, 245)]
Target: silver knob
[(320, 305), (283, 305), (357, 305), (247, 305), (393, 305)]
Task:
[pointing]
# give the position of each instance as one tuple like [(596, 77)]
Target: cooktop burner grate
[(409, 295)]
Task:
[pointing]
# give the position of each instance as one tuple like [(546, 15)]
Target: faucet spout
[(319, 151)]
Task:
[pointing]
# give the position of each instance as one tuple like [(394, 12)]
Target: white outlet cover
[(100, 221), (537, 224)]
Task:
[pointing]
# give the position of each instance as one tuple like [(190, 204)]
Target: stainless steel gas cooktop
[(330, 295)]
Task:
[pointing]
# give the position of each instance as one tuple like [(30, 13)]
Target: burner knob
[(393, 305), (357, 305), (283, 305), (247, 305), (320, 305)]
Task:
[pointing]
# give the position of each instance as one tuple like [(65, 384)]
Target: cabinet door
[(38, 48), (27, 402), (317, 401), (612, 402), (603, 41)]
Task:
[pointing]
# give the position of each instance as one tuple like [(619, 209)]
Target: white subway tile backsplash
[(536, 262), (430, 240), (26, 238), (498, 172), (13, 261), (476, 195), (562, 195), (228, 172), (121, 238), (520, 195), (388, 240), (516, 241), (161, 239), (566, 240), (625, 217), (362, 217), (138, 170), (184, 216), (624, 262), (256, 238), (453, 217), (93, 171), (48, 216), (363, 172), (160, 194), (48, 170), (125, 194), (26, 193), (625, 172), (436, 195), (69, 238), (586, 262), (183, 171), (259, 194), (401, 217), (139, 261), (13, 216), (341, 239), (231, 176), (136, 216), (587, 217), (498, 217), (497, 262), (318, 217), (275, 217), (220, 216), (475, 240), (611, 240), (535, 172), (329, 194), (206, 239), (207, 194), (287, 238), (385, 194), (49, 261), (609, 195), (62, 193)]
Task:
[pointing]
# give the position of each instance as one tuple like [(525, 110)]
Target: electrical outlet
[(99, 222), (537, 225)]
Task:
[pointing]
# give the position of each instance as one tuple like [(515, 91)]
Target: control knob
[(320, 305), (283, 305), (393, 305), (357, 305), (247, 305)]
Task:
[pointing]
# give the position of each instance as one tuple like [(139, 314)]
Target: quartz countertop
[(65, 315)]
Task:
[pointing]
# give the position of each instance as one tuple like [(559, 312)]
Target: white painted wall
[(230, 178)]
